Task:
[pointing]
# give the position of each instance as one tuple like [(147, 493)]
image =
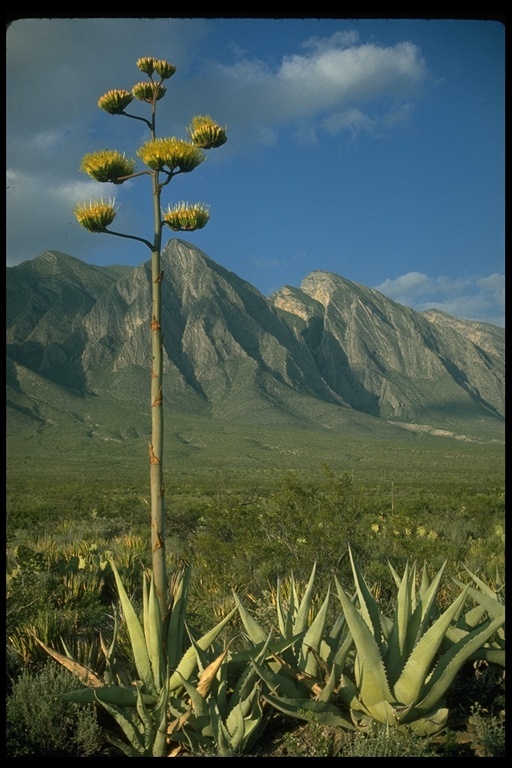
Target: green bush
[(39, 724)]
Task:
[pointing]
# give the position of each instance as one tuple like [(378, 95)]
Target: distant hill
[(331, 354)]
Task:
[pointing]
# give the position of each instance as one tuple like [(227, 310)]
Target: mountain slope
[(331, 355), (392, 362)]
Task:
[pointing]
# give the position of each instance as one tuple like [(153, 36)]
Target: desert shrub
[(40, 725)]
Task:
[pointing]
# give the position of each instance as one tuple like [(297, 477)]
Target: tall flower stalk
[(164, 158)]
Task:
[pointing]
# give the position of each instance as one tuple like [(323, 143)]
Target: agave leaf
[(137, 639), (383, 712), (154, 634), (301, 620), (485, 588), (210, 673), (220, 732), (130, 727), (489, 602), (313, 639), (368, 607), (161, 720), (110, 694), (424, 611), (255, 632), (278, 681), (188, 663), (429, 724), (328, 690), (285, 615), (123, 746), (176, 624), (397, 650), (451, 662), (492, 655), (310, 710), (373, 684), (409, 685), (87, 676)]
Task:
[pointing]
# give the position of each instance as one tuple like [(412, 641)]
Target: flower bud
[(164, 69), (175, 154), (147, 91), (146, 64), (186, 218), (114, 102), (107, 165), (96, 215), (206, 133)]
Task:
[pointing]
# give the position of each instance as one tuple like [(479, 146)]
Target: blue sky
[(371, 148)]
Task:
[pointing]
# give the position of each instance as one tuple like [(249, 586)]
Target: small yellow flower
[(207, 134), (432, 535), (96, 215), (375, 528), (149, 91), (186, 218), (171, 153), (421, 531), (114, 102), (107, 165)]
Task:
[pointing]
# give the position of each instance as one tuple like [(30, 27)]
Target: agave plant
[(490, 603), (400, 673), (140, 704), (301, 677)]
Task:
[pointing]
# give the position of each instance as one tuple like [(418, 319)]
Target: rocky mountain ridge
[(77, 332)]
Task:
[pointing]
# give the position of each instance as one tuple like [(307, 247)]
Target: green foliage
[(38, 723), (398, 676)]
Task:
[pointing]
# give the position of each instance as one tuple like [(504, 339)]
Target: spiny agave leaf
[(176, 626), (255, 632), (301, 620), (278, 681), (137, 639), (313, 639), (109, 694), (409, 685), (328, 690), (161, 720), (147, 725), (123, 746), (485, 588), (368, 607), (429, 724), (310, 710), (374, 685), (383, 712), (188, 663), (425, 609), (209, 674), (397, 649), (220, 732), (490, 603), (451, 662), (154, 634), (492, 655), (130, 727), (425, 581), (87, 676)]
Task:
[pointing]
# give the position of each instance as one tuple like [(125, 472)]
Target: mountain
[(330, 355)]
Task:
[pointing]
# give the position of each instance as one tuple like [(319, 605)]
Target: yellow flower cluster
[(148, 65), (186, 218), (114, 102), (206, 133), (171, 153), (107, 165), (149, 91), (95, 215)]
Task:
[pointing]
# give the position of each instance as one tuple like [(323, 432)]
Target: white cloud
[(472, 298)]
